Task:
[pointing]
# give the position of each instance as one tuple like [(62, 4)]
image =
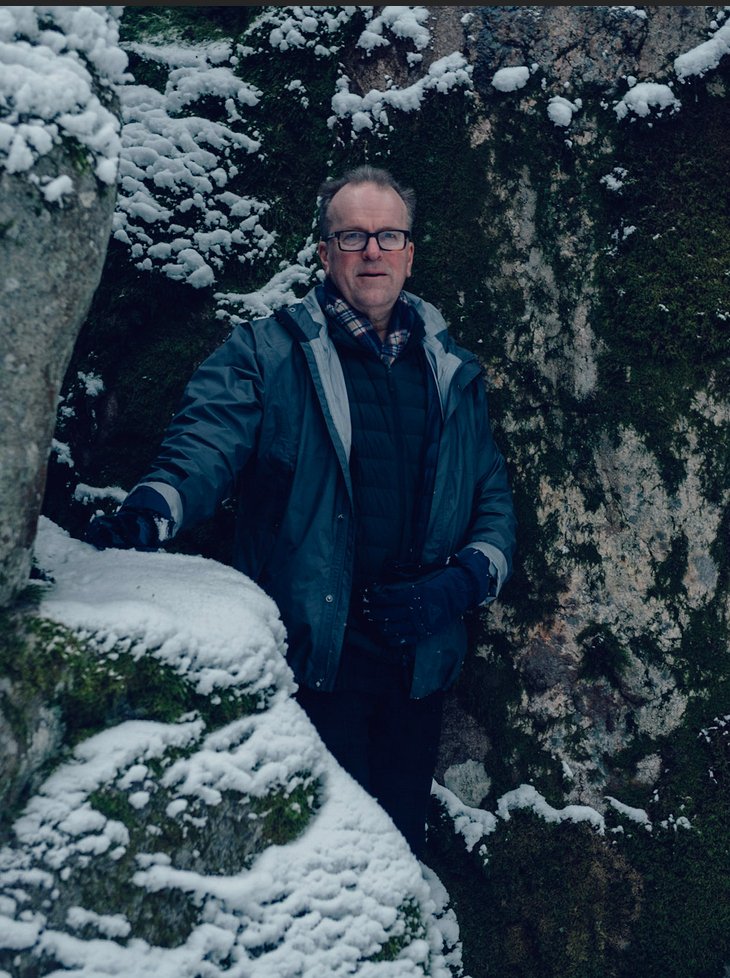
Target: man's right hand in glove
[(133, 526), (129, 529)]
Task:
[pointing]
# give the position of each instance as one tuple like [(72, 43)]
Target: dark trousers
[(387, 742)]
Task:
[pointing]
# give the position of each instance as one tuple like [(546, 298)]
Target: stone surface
[(52, 255)]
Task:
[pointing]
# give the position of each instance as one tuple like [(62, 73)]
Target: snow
[(369, 111), (84, 493), (223, 633), (560, 110), (615, 179), (316, 28), (642, 97), (510, 79), (62, 451), (111, 925), (321, 905), (528, 798), (48, 59), (704, 57), (470, 823), (54, 190), (636, 11), (92, 383), (277, 292), (637, 815), (404, 22), (174, 209)]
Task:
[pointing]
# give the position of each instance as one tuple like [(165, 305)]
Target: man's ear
[(323, 257)]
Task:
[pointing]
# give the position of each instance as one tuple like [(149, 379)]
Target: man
[(372, 503)]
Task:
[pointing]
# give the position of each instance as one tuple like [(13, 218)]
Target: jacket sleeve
[(213, 432), (493, 524)]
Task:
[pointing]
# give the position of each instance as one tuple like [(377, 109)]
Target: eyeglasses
[(390, 239)]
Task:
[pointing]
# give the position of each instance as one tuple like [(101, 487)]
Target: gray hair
[(362, 174)]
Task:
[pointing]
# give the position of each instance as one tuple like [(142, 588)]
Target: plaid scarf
[(342, 314)]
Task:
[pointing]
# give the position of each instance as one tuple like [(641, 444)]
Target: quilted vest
[(388, 410)]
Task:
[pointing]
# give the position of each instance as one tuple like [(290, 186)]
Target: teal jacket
[(265, 420)]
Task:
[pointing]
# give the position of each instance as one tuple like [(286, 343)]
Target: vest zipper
[(400, 447)]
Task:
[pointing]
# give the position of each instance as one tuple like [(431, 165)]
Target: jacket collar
[(445, 358)]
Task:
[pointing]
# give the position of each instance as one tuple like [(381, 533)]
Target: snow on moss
[(177, 210), (54, 63), (370, 111), (222, 632), (114, 836), (403, 22), (290, 28)]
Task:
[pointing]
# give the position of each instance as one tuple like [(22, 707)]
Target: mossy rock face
[(612, 415), (59, 687), (518, 916), (85, 835), (90, 854)]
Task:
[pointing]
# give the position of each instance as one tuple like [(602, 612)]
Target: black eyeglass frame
[(368, 236)]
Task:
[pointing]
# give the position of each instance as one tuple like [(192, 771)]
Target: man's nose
[(372, 249)]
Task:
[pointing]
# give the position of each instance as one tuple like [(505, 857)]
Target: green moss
[(220, 838), (669, 574), (664, 285), (685, 926), (546, 900), (34, 654), (217, 839), (192, 25), (144, 335), (81, 159), (409, 928), (490, 689), (552, 900), (701, 659), (93, 690), (286, 813)]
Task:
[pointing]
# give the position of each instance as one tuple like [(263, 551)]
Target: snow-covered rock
[(221, 840)]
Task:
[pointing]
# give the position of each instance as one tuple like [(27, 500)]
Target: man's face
[(370, 280)]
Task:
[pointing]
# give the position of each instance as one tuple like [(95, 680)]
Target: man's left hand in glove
[(401, 613)]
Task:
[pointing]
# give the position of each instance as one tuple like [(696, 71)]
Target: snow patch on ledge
[(528, 797), (642, 97), (203, 619), (704, 57), (511, 79), (370, 111)]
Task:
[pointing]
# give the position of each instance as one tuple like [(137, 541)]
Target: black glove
[(128, 529), (403, 612)]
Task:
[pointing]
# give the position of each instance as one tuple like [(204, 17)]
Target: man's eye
[(390, 235), (351, 237)]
